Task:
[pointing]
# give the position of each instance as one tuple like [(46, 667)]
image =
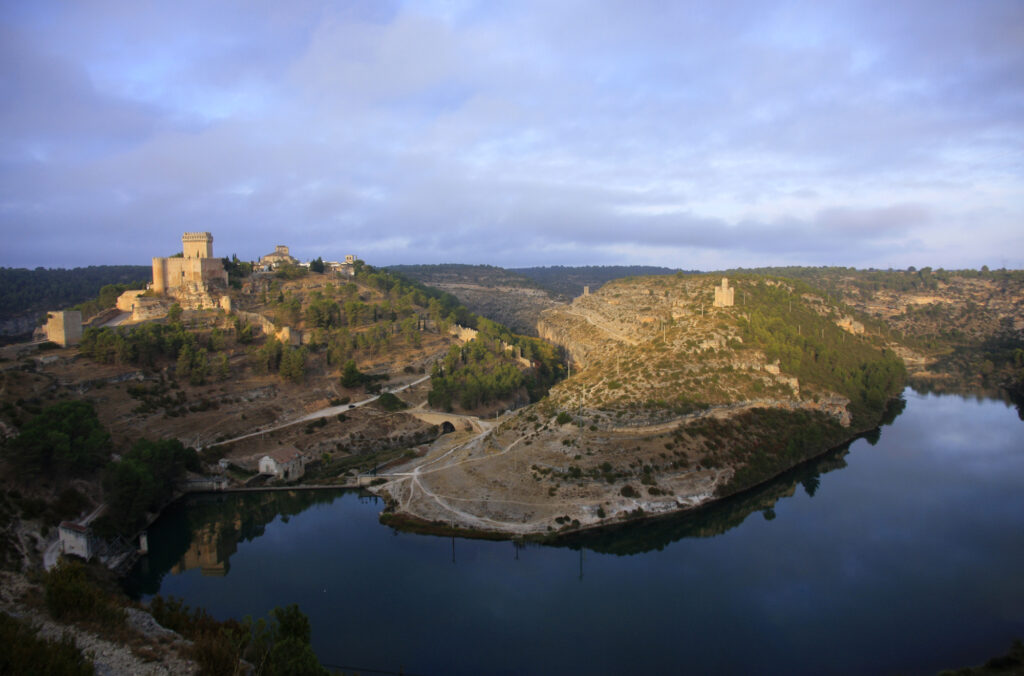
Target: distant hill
[(569, 281)]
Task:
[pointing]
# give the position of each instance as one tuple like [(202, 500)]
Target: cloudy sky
[(695, 135)]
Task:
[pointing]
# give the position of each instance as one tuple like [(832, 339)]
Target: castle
[(195, 272)]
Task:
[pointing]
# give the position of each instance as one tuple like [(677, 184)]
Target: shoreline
[(413, 523)]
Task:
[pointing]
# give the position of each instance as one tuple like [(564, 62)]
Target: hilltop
[(672, 402), (516, 297)]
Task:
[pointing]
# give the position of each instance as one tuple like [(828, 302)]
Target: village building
[(278, 257), (285, 463)]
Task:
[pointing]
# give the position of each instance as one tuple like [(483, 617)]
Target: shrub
[(25, 653), (629, 492), (71, 595)]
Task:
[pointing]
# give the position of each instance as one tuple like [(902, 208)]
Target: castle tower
[(160, 276), (724, 296), (197, 245), (64, 328)]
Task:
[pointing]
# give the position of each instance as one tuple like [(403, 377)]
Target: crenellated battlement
[(197, 245)]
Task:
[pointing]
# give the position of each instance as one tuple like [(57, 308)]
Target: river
[(901, 553)]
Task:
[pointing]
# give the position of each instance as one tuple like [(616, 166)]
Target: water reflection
[(203, 531), (724, 515), (712, 520)]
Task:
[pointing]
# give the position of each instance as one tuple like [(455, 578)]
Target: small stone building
[(286, 463), (64, 328), (77, 540)]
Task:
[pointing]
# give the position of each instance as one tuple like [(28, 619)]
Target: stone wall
[(64, 328)]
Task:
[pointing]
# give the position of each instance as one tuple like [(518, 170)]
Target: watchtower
[(724, 296), (197, 245)]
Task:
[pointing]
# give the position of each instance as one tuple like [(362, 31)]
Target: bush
[(71, 595), (629, 492), (25, 653), (563, 418), (389, 402)]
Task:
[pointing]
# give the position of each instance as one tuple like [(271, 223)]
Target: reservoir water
[(902, 553)]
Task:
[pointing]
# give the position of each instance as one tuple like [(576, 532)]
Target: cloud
[(731, 134)]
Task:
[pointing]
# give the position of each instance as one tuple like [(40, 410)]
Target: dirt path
[(322, 413)]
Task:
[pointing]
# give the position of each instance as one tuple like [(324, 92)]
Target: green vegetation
[(811, 347), (72, 595), (24, 652), (485, 370), (26, 291), (569, 281), (237, 270), (389, 402), (106, 299), (278, 647), (144, 480), (762, 442), (66, 440)]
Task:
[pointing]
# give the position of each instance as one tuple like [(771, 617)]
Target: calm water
[(904, 556)]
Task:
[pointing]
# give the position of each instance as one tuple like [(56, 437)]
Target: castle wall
[(126, 301), (64, 328)]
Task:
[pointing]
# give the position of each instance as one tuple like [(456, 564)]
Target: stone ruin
[(724, 296)]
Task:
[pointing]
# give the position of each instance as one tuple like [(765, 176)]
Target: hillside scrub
[(484, 370), (811, 347)]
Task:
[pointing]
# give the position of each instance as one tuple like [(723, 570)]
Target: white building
[(286, 462), (76, 539)]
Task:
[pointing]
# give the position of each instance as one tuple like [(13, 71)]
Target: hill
[(500, 295), (568, 281), (672, 402)]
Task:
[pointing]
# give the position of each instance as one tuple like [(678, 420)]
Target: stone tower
[(724, 295), (197, 245), (195, 277)]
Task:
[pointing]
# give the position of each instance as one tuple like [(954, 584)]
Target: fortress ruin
[(724, 296)]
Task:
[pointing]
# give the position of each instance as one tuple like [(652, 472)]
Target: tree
[(293, 364), (174, 314), (66, 437), (351, 376), (222, 369), (316, 265)]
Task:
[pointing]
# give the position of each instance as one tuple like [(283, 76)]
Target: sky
[(694, 135)]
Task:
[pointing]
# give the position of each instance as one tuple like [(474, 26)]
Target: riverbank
[(535, 484)]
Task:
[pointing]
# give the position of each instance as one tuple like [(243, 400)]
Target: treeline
[(912, 279), (482, 275), (484, 370), (198, 357), (23, 291), (812, 348), (569, 281)]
